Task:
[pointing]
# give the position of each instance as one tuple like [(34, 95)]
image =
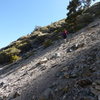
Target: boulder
[(75, 47), (44, 60), (13, 95), (1, 84)]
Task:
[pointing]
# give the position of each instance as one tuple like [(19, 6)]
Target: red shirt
[(65, 32)]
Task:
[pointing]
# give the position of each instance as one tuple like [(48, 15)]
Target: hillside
[(25, 46), (45, 36), (50, 69)]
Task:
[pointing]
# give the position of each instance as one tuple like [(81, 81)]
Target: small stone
[(64, 69), (56, 90), (81, 45), (47, 95), (66, 75), (64, 97), (34, 98), (97, 82), (1, 84), (84, 82), (73, 75), (96, 87), (54, 84), (65, 89), (44, 60), (87, 98), (58, 74), (99, 97), (92, 69), (14, 95), (56, 55), (43, 67)]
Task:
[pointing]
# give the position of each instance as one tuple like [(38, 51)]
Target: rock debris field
[(63, 71)]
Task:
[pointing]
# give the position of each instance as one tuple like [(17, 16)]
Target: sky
[(19, 17)]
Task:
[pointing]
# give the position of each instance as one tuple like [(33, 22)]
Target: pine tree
[(75, 8), (73, 5), (86, 3)]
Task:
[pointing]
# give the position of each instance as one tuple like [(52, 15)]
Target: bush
[(44, 29), (39, 40), (85, 18), (14, 58), (4, 58), (24, 46), (12, 51), (9, 55), (28, 54), (47, 43), (94, 9), (56, 35), (80, 26)]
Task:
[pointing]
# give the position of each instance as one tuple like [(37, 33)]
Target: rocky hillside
[(63, 71), (54, 70), (27, 45)]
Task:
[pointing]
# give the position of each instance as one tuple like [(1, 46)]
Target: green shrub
[(44, 29), (85, 18), (94, 9), (12, 51), (4, 58), (28, 54), (9, 55), (47, 43), (80, 26), (24, 46), (14, 58), (56, 35), (40, 39)]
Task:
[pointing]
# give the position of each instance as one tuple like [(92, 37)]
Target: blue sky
[(19, 17)]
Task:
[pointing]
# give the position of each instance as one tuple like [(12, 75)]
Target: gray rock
[(99, 97), (66, 75), (47, 95), (54, 84), (86, 98), (1, 84), (56, 55), (96, 87), (75, 47), (74, 73), (1, 98), (98, 56), (84, 82), (44, 60), (13, 95)]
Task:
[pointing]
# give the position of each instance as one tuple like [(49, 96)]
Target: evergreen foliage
[(76, 8)]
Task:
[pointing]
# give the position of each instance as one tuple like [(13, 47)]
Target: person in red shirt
[(64, 35)]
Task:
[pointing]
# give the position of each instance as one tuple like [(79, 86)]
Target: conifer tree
[(75, 8)]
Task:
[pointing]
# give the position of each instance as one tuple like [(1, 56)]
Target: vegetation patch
[(47, 43), (9, 55)]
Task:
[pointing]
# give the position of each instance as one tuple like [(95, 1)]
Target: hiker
[(64, 35)]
